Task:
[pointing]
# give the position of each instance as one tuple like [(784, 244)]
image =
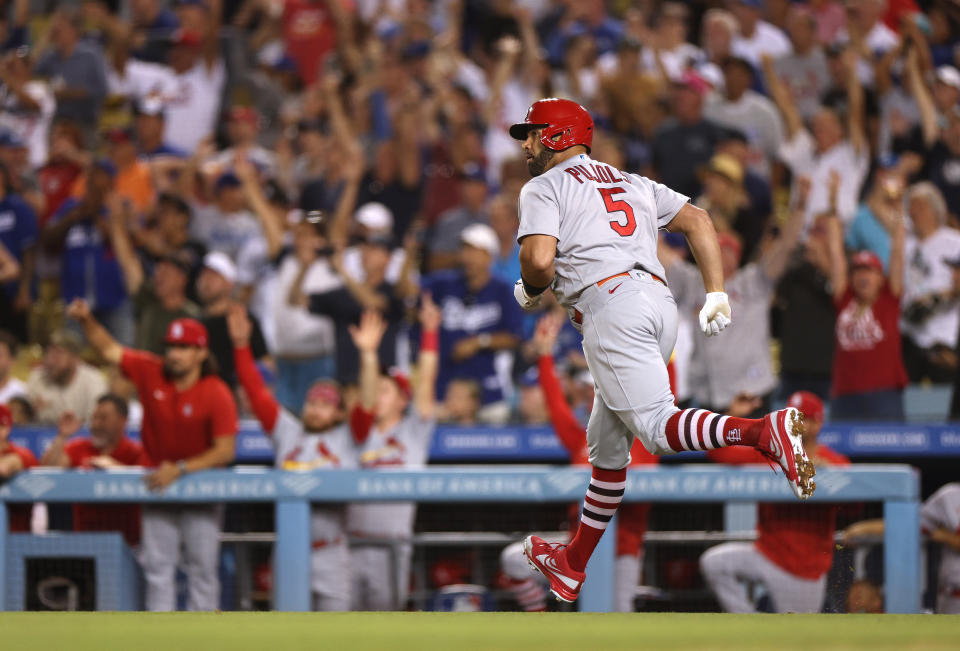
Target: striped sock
[(603, 498), (699, 429), (529, 594)]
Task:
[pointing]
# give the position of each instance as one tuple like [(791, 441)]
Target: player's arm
[(265, 406), (697, 227), (366, 337), (537, 253), (100, 340), (56, 454), (428, 361), (565, 423)]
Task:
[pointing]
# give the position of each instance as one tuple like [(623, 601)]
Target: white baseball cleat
[(781, 441)]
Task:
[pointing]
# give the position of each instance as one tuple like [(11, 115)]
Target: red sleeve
[(736, 455), (223, 410), (140, 366), (569, 430), (26, 456), (835, 458), (361, 422), (265, 406), (129, 453)]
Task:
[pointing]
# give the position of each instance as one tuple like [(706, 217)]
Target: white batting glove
[(715, 315), (526, 301)]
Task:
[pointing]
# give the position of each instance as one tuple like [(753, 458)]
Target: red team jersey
[(178, 425), (867, 354), (633, 517), (19, 513), (107, 517), (309, 32), (798, 538)]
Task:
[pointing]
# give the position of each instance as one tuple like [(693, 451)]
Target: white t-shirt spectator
[(141, 79), (758, 118), (766, 39), (304, 334), (33, 127), (800, 155), (927, 272), (192, 109), (228, 233), (880, 39)]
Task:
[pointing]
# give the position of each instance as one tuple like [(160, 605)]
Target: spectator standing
[(189, 424), (393, 424), (685, 142), (868, 371), (318, 440), (18, 235), (76, 69), (215, 288), (158, 299), (931, 295), (64, 382), (305, 352), (479, 321), (227, 224), (796, 581), (461, 403), (757, 38), (804, 70), (444, 242), (831, 149), (106, 447), (88, 268), (199, 77), (13, 460), (149, 127), (747, 110), (346, 304), (880, 209), (28, 104), (9, 385)]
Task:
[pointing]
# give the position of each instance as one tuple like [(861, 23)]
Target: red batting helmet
[(557, 117), (808, 403)]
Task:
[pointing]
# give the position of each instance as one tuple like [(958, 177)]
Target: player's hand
[(545, 335), (68, 424), (526, 301), (78, 310), (366, 337), (431, 316), (104, 462), (715, 315), (165, 474)]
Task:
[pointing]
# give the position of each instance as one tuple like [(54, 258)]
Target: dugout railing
[(896, 486)]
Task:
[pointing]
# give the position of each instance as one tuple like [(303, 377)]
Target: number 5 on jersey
[(614, 205)]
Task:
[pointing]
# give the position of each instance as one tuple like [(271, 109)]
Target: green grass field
[(469, 631)]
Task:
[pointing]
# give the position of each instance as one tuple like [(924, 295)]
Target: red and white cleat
[(550, 561), (782, 443)]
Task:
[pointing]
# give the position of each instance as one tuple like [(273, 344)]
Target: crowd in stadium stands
[(264, 203)]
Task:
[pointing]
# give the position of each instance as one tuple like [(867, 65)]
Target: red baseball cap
[(6, 416), (187, 38), (325, 392), (808, 403), (403, 382), (187, 332), (866, 259), (244, 114)]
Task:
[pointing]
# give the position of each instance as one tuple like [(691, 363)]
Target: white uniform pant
[(728, 568), (628, 337), (381, 576), (330, 580), (195, 530), (626, 574)]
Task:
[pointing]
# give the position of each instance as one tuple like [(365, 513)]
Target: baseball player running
[(589, 233), (319, 439)]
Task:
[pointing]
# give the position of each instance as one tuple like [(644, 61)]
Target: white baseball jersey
[(333, 449), (605, 221), (404, 447), (942, 511)]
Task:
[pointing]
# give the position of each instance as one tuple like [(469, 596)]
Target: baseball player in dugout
[(589, 233), (794, 547), (318, 439), (189, 424), (393, 424)]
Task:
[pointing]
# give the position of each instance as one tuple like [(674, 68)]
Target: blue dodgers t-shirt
[(465, 314), (88, 267), (18, 230)]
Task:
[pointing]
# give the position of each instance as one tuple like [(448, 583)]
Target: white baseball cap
[(483, 237), (375, 216), (949, 75), (221, 263)]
